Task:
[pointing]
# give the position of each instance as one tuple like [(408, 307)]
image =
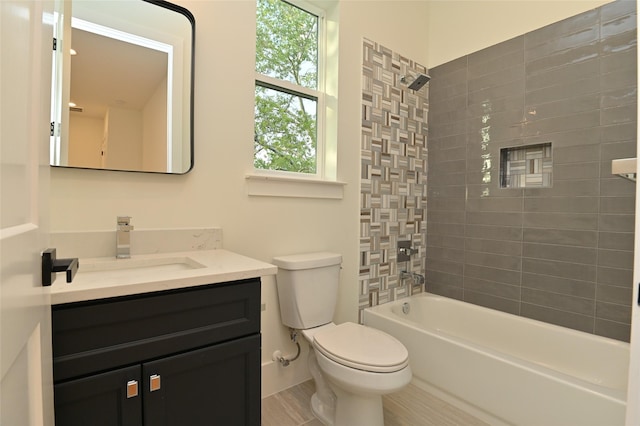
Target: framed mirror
[(123, 86)]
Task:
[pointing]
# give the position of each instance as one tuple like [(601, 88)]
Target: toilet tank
[(307, 288)]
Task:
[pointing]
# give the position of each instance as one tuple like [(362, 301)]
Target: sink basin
[(120, 268)]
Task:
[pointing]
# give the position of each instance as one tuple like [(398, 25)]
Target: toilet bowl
[(352, 365), (359, 364)]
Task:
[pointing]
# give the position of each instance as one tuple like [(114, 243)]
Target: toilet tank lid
[(307, 260)]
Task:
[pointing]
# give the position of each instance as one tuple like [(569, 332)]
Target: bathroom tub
[(506, 368)]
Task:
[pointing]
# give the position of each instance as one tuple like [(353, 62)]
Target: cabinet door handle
[(154, 382), (132, 388)]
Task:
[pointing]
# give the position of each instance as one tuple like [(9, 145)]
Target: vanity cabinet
[(175, 357)]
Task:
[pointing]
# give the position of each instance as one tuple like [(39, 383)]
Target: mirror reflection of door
[(128, 53), (118, 111)]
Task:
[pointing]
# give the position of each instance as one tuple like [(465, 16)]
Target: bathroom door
[(633, 394), (26, 392)]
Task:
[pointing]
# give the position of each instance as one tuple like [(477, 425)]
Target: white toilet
[(352, 365)]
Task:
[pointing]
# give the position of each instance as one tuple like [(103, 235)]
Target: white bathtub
[(516, 370)]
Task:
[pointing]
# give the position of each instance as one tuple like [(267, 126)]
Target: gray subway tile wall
[(562, 254)]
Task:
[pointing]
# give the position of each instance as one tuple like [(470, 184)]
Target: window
[(288, 93)]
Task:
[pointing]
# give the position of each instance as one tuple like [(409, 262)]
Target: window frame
[(317, 94)]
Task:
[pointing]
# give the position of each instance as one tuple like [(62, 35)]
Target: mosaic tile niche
[(526, 166), (393, 183)]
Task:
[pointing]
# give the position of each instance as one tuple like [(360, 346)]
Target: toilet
[(352, 365)]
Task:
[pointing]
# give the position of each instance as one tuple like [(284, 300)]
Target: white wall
[(460, 27), (124, 139), (154, 130), (85, 140), (215, 192)]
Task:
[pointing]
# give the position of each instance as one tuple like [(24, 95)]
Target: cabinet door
[(216, 385), (106, 399)]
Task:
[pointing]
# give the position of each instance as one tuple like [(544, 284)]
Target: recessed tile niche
[(528, 166)]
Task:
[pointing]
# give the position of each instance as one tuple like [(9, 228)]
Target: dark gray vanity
[(176, 357)]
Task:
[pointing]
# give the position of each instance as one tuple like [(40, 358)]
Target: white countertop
[(214, 266)]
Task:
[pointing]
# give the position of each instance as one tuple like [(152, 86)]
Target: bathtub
[(506, 368)]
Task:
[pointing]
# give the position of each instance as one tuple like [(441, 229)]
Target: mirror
[(123, 86)]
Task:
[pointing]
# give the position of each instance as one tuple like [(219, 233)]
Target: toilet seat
[(360, 347)]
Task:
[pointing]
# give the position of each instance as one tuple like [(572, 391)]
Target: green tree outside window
[(286, 106)]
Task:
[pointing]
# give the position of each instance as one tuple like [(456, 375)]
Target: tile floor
[(410, 407)]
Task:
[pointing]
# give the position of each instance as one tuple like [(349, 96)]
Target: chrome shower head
[(417, 82)]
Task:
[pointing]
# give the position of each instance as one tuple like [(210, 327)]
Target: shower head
[(418, 81)]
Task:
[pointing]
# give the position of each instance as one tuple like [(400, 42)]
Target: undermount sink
[(127, 267)]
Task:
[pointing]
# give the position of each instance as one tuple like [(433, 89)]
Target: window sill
[(292, 187)]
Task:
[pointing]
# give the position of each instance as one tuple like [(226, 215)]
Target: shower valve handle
[(407, 251)]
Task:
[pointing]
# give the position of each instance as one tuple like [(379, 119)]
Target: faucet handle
[(405, 251)]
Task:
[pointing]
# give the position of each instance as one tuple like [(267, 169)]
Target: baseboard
[(276, 378)]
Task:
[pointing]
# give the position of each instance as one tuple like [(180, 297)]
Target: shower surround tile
[(564, 253), (394, 173)]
